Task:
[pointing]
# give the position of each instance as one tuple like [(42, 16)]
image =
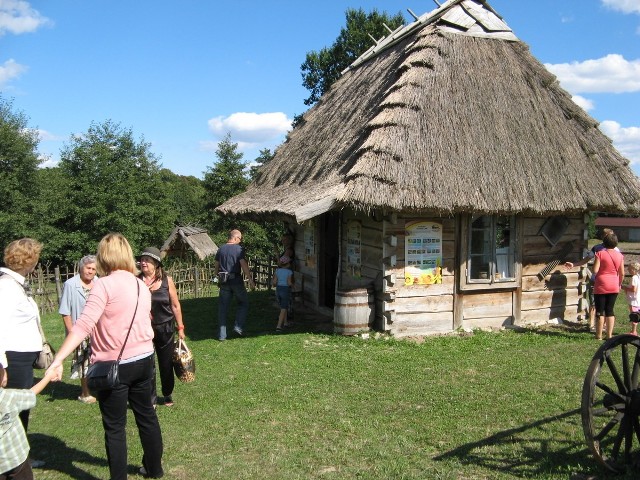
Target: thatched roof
[(185, 238), (449, 114)]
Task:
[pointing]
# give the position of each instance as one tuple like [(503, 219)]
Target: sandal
[(87, 400)]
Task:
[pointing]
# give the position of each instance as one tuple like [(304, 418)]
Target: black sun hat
[(152, 252)]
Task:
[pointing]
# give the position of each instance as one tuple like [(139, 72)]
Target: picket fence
[(193, 280)]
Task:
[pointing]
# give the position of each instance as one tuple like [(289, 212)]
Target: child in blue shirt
[(283, 281)]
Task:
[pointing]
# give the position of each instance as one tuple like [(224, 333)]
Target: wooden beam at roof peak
[(437, 3)]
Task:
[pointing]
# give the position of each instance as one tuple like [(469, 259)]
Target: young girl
[(633, 296), (283, 281)]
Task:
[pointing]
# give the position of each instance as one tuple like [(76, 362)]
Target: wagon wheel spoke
[(608, 427), (636, 370), (614, 372), (610, 391)]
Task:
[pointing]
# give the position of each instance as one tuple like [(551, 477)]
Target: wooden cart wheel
[(611, 404)]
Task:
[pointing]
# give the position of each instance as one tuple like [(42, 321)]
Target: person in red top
[(608, 268), (117, 301)]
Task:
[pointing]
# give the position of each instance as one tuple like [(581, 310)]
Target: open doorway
[(329, 258)]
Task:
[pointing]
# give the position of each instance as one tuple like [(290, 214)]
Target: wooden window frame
[(467, 284)]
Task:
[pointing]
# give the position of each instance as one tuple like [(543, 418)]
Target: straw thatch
[(449, 114), (185, 238)]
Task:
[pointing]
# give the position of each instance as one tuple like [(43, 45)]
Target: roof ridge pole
[(437, 3)]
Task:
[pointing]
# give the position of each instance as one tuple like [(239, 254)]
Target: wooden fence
[(193, 280)]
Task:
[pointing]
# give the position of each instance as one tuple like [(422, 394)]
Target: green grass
[(316, 406)]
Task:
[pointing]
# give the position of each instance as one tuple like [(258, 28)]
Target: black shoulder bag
[(105, 375)]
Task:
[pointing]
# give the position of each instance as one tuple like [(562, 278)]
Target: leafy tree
[(265, 157), (52, 208), (187, 194), (114, 186), (321, 69), (227, 178), (18, 170)]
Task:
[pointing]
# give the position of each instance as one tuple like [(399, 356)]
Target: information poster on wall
[(354, 245), (310, 244), (423, 253)]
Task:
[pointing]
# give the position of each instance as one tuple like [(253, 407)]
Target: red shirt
[(607, 279)]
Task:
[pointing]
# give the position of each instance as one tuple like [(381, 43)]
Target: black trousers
[(20, 375), (135, 389), (163, 341)]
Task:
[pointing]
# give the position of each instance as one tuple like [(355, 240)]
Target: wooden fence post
[(58, 283), (196, 282)]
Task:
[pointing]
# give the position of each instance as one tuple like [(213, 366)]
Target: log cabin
[(443, 178)]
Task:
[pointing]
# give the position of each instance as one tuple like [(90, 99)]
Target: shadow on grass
[(201, 317), (61, 458), (531, 456)]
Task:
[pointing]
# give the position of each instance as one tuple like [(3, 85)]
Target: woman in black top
[(165, 314)]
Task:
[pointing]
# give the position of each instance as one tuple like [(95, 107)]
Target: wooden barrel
[(353, 311)]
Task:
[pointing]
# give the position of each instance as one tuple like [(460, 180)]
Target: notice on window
[(354, 245), (423, 253)]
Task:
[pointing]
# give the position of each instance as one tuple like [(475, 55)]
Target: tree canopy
[(18, 173), (322, 68)]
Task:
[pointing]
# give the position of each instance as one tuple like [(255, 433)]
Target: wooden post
[(58, 282), (196, 283)]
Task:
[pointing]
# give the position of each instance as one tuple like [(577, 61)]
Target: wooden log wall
[(416, 309), (561, 294)]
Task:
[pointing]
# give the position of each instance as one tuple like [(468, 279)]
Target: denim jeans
[(134, 389), (227, 292)]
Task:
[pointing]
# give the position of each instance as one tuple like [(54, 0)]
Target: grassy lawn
[(315, 406)]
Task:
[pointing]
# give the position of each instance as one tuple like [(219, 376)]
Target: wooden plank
[(550, 298), (554, 281), (532, 226), (458, 16), (539, 244), (488, 19), (544, 315), (486, 322), (422, 324), (430, 304), (487, 305), (446, 287)]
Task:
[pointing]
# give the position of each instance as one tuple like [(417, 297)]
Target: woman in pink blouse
[(608, 269), (106, 318)]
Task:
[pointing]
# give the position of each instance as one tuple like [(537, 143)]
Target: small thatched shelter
[(186, 239), (441, 153)]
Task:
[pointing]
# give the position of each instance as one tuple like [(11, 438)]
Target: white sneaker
[(238, 330), (37, 463)]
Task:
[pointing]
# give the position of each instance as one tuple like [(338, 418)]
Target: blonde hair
[(114, 253), (22, 254), (635, 266)]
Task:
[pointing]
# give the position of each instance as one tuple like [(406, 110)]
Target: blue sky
[(184, 73)]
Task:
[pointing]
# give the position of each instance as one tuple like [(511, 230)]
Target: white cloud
[(624, 6), (610, 74), (626, 140), (250, 128), (17, 16), (10, 70), (582, 102), (46, 136)]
